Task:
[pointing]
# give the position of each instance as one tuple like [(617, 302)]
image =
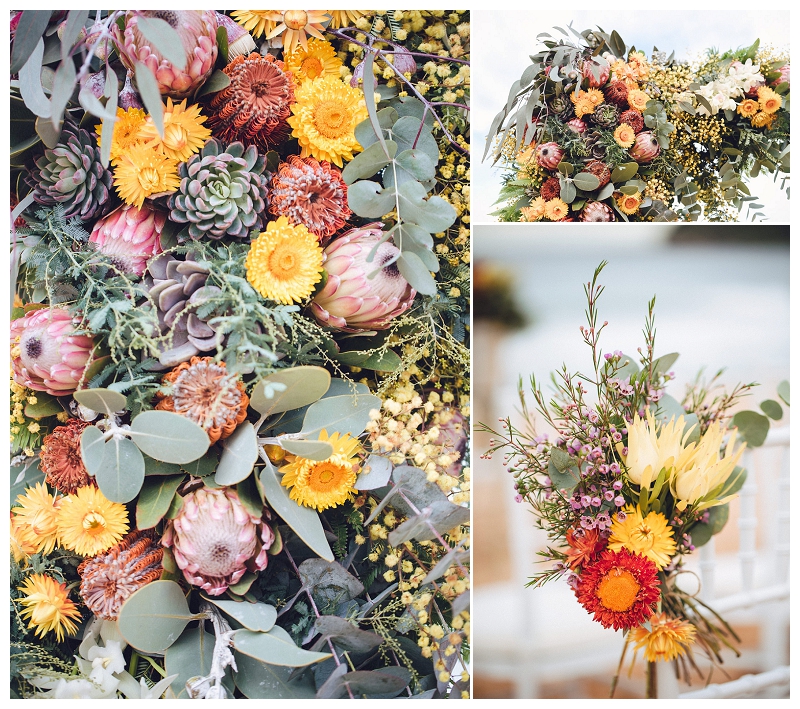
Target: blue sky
[(502, 42)]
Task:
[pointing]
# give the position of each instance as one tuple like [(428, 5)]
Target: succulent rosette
[(197, 30), (350, 299), (47, 354), (215, 540)]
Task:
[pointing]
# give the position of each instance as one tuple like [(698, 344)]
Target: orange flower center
[(283, 262), (332, 119), (175, 137), (94, 522), (295, 19), (149, 179), (312, 67), (618, 590), (325, 476)]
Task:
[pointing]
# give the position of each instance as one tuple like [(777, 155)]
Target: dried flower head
[(47, 606), (60, 458)]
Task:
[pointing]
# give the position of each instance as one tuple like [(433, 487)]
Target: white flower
[(139, 690)]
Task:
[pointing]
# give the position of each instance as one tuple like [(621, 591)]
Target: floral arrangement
[(239, 359), (594, 131), (628, 483)]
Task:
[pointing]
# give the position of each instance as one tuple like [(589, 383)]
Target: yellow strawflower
[(47, 606), (88, 523), (649, 536)]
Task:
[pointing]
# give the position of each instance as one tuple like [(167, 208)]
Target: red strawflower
[(620, 588)]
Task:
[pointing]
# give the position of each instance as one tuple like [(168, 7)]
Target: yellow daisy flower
[(317, 60), (36, 518), (88, 523), (624, 135), (126, 131), (667, 638), (747, 108), (583, 106), (295, 23), (326, 483), (649, 536), (555, 209), (257, 22), (638, 99), (762, 119), (628, 203), (768, 100), (48, 607), (595, 97), (326, 114), (22, 547), (344, 18), (142, 171), (535, 211), (284, 262), (184, 132)]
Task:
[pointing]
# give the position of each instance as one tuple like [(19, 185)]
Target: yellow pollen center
[(332, 119), (618, 590), (94, 522), (149, 178), (325, 476), (312, 67), (295, 19), (282, 263)]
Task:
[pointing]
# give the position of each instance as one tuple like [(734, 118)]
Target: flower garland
[(597, 132), (239, 387)]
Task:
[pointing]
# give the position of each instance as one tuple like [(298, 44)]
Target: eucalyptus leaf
[(586, 181), (153, 617), (216, 82), (45, 405), (104, 401), (329, 582), (624, 172), (30, 29), (568, 191), (702, 532), (563, 480), (250, 497), (159, 467), (416, 273), (417, 163), (169, 437), (304, 521), (121, 472), (239, 455), (76, 19), (345, 634), (753, 427), (30, 83), (408, 135), (269, 649), (664, 363), (627, 368), (375, 473), (151, 95), (92, 444), (341, 414), (189, 656), (302, 385), (23, 477), (258, 680), (311, 450), (783, 392), (381, 361), (164, 39), (772, 409), (91, 104), (259, 617), (370, 161), (63, 87), (155, 499)]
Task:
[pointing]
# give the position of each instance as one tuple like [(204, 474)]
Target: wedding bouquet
[(629, 483), (595, 131), (239, 360)]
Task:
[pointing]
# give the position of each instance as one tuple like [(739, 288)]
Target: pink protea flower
[(549, 155), (603, 71), (130, 236), (198, 32), (350, 300), (784, 76), (215, 540), (646, 148), (46, 355), (576, 125)]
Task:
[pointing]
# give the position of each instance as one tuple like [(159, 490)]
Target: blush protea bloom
[(621, 589), (649, 536), (352, 301), (46, 355), (254, 107), (198, 32), (129, 236), (311, 193), (667, 638), (60, 458), (47, 606), (215, 540), (110, 577)]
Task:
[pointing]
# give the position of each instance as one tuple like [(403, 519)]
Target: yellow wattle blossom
[(47, 606), (667, 638), (649, 536)]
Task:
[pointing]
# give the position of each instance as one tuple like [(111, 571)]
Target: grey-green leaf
[(783, 392), (164, 38), (269, 649), (624, 172), (368, 162), (329, 581), (154, 617), (753, 427), (30, 83), (189, 656), (170, 437), (151, 95), (92, 448), (312, 450), (341, 414), (155, 499), (258, 680), (121, 472), (105, 401), (416, 273), (259, 617), (239, 455), (30, 29), (772, 409), (417, 163), (586, 181), (376, 473), (303, 385)]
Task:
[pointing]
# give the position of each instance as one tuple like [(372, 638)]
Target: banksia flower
[(46, 355), (204, 392), (311, 193), (215, 540), (130, 236), (109, 578), (600, 170), (254, 107), (634, 119), (60, 458), (645, 148), (222, 192), (198, 33), (617, 93), (72, 175), (551, 188), (597, 212), (352, 301)]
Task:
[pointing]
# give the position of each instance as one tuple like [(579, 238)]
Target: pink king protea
[(130, 236), (46, 355), (351, 300), (198, 32), (215, 540)]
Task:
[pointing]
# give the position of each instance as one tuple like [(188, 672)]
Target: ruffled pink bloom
[(351, 300), (198, 33), (784, 75), (46, 355), (130, 236), (215, 540)]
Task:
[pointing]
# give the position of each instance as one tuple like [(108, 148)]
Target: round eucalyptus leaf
[(104, 401), (311, 450), (783, 392), (303, 385), (121, 473), (155, 499), (92, 445), (257, 680), (239, 455), (189, 656), (375, 473), (753, 427), (154, 616), (259, 617), (624, 172), (586, 181), (341, 414), (772, 409), (268, 648), (664, 363), (169, 437)]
